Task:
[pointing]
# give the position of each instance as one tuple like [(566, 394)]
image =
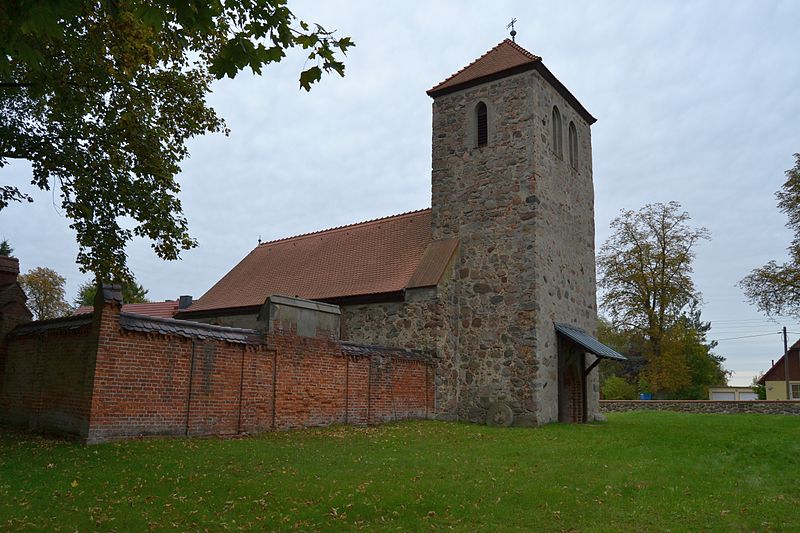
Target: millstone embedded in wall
[(499, 414)]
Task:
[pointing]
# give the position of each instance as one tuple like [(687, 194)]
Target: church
[(479, 309), (496, 279)]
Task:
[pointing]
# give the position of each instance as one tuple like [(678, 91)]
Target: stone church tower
[(512, 181)]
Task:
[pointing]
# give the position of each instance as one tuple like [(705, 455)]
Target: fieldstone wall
[(768, 407), (480, 196), (563, 249), (524, 220)]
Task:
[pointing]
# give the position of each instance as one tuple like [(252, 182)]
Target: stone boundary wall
[(769, 407), (104, 381)]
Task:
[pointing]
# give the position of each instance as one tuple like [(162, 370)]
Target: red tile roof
[(503, 60), (379, 256), (156, 309), (505, 56)]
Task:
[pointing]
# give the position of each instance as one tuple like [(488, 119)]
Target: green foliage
[(759, 388), (44, 288), (685, 367), (775, 288), (132, 293), (643, 471), (6, 249), (616, 388), (101, 98), (644, 270)]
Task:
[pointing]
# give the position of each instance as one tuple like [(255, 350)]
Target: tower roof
[(505, 56), (503, 60)]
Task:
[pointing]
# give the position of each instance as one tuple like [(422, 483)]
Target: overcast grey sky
[(696, 102)]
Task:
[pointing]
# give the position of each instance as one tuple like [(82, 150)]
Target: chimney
[(9, 270), (184, 302)]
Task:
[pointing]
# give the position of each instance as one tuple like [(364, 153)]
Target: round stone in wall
[(499, 414)]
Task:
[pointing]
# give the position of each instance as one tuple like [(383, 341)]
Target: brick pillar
[(105, 329), (12, 298), (13, 310)]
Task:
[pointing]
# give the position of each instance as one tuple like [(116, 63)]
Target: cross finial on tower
[(513, 31)]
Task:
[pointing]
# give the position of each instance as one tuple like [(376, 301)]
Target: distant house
[(775, 378), (732, 394), (165, 309)]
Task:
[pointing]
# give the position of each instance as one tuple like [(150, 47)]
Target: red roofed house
[(774, 379), (497, 278), (167, 309)]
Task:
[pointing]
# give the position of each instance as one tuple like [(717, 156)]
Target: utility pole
[(786, 364)]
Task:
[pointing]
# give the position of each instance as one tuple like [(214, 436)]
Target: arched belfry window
[(557, 133), (482, 124), (573, 145)]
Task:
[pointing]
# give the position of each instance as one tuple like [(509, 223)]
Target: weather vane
[(513, 31)]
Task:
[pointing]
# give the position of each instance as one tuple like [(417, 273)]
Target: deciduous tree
[(775, 288), (101, 96), (44, 288), (645, 272), (645, 269)]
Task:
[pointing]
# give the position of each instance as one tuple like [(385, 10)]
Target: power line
[(750, 327), (749, 336), (762, 319)]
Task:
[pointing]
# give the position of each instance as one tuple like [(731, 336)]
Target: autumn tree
[(687, 366), (101, 97), (645, 267), (44, 288), (644, 274), (132, 293), (775, 288)]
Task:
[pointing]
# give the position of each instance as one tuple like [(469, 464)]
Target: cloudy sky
[(696, 102)]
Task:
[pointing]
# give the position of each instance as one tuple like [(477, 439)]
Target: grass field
[(643, 471)]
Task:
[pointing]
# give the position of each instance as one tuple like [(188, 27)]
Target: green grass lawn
[(643, 471)]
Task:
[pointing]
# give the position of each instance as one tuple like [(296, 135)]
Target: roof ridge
[(516, 47), (344, 227), (531, 55)]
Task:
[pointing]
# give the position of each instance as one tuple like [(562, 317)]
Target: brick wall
[(139, 383), (47, 379)]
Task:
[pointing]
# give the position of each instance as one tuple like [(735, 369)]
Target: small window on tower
[(573, 145), (557, 133), (481, 120)]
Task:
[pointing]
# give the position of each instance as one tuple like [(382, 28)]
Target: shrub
[(616, 388)]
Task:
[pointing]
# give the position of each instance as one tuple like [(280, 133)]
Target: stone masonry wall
[(480, 196), (703, 406), (525, 226), (563, 250)]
